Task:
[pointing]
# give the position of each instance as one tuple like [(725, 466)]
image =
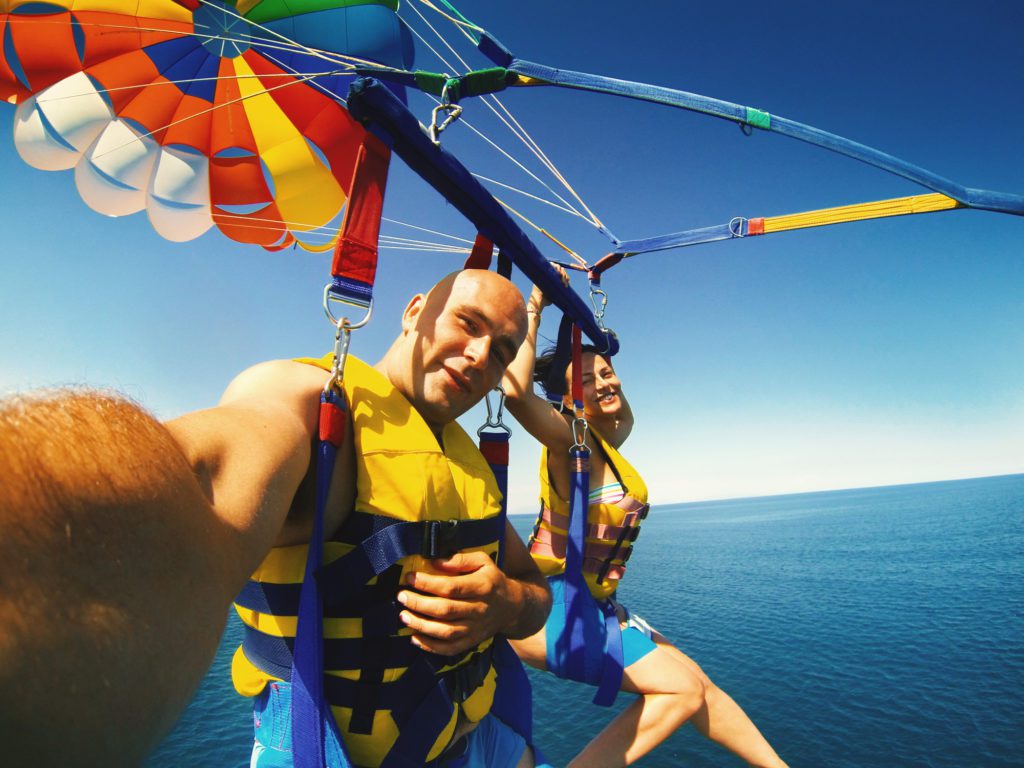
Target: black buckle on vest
[(464, 680), (440, 538)]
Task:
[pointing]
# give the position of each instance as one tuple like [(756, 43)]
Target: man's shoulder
[(276, 380)]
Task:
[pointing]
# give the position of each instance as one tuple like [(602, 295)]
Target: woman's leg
[(673, 689), (721, 719)]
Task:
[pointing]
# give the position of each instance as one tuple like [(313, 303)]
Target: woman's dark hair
[(542, 368)]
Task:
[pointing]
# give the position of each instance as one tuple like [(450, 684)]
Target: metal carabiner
[(599, 301), (579, 432), (495, 421), (453, 110), (342, 339)]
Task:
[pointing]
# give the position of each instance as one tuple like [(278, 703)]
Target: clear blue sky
[(862, 354)]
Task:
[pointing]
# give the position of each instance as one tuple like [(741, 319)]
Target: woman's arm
[(543, 422)]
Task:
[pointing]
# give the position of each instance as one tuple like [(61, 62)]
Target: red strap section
[(333, 421), (495, 451), (604, 264), (480, 256), (755, 227), (355, 255), (577, 366)]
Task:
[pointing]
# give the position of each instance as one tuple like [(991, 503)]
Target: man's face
[(457, 343)]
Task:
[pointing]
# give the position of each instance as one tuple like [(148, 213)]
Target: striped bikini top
[(607, 494)]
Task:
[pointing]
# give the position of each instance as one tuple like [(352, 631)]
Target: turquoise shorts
[(492, 744), (636, 638)]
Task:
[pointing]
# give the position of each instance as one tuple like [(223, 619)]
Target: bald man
[(123, 541)]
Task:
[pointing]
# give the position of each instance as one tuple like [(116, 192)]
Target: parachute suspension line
[(314, 52), (296, 81), (184, 81), (424, 229), (432, 28), (287, 45), (510, 122), (542, 156), (461, 22), (524, 193), (458, 19), (524, 169), (579, 259)]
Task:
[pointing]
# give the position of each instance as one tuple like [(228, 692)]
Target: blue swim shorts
[(492, 744), (636, 638)]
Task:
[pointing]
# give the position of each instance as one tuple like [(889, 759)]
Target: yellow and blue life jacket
[(610, 532), (379, 686)]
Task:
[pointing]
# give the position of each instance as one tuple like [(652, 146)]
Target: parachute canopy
[(199, 112)]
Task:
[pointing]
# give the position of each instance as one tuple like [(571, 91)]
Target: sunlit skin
[(124, 540), (672, 688), (452, 351)]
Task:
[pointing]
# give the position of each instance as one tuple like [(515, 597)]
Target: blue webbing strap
[(1001, 202), (490, 47), (513, 695), (680, 239), (370, 101), (381, 550), (611, 668), (579, 600), (494, 447), (309, 709), (577, 595)]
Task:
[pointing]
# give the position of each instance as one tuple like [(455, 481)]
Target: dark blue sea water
[(878, 627)]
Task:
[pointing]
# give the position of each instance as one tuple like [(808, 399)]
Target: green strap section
[(430, 82), (484, 81), (269, 10), (759, 118), (477, 83)]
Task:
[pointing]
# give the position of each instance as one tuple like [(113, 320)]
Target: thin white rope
[(465, 66), (517, 129), (184, 81), (262, 92), (424, 229), (459, 23), (525, 193), (522, 167), (544, 159), (302, 233), (311, 51)]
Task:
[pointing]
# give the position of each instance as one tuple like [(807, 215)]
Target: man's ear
[(412, 311)]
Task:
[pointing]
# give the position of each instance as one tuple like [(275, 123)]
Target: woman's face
[(602, 390)]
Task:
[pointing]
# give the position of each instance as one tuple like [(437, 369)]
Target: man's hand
[(469, 601)]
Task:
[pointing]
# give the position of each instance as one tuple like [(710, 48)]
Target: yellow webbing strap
[(899, 206)]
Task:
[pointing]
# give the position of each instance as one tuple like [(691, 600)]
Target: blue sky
[(862, 354)]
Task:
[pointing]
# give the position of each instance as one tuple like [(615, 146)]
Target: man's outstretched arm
[(122, 544)]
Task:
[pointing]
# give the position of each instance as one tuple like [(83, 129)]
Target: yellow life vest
[(401, 473), (611, 527)]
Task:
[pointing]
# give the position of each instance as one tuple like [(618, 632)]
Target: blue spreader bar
[(372, 103)]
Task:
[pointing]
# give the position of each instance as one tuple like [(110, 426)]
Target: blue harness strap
[(513, 695), (310, 713), (372, 103), (578, 601), (389, 540), (577, 595)]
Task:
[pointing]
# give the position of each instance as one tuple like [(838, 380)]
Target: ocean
[(874, 627)]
